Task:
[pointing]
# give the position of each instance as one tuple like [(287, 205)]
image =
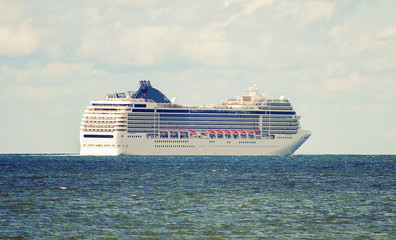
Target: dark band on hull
[(97, 136)]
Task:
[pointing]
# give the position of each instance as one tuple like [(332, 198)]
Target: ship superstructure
[(146, 122)]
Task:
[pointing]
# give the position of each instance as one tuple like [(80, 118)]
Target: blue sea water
[(200, 197)]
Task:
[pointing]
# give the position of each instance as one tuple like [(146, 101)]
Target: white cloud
[(142, 46), (160, 12), (9, 75), (20, 40), (350, 83), (51, 73), (92, 16), (54, 51), (131, 3), (151, 44), (58, 70), (62, 84), (211, 47), (227, 3), (249, 8), (381, 63), (306, 12), (389, 32), (27, 93), (11, 12), (337, 31), (334, 67)]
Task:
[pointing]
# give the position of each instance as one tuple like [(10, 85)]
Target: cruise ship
[(146, 122)]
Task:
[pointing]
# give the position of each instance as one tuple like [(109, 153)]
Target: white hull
[(125, 144)]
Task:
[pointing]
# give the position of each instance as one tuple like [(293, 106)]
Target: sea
[(197, 197)]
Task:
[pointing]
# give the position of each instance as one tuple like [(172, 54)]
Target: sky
[(335, 60)]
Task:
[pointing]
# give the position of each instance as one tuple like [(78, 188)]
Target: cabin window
[(140, 105)]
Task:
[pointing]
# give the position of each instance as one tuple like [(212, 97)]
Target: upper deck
[(148, 97)]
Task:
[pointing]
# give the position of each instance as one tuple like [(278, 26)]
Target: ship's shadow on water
[(205, 197)]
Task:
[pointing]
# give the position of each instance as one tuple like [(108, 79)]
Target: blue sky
[(334, 59)]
